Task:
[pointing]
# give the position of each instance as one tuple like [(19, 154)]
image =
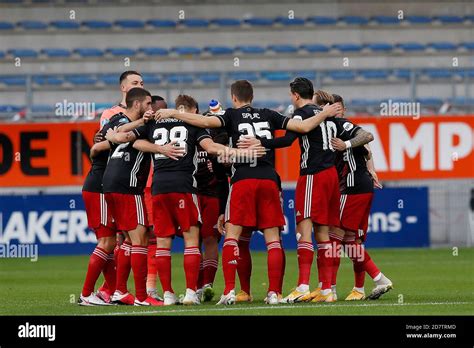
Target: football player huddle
[(158, 173)]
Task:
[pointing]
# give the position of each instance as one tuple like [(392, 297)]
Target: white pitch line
[(239, 308)]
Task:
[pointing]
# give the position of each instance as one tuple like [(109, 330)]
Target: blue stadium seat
[(322, 20), (23, 52), (186, 50), (469, 18), (296, 21), (2, 54), (161, 23), (13, 80), (311, 75), (283, 48), (32, 25), (251, 49), (450, 19), (219, 50), (56, 52), (68, 25), (276, 75), (348, 47), (195, 23), (419, 19), (364, 102), (442, 46), (411, 46), (386, 20), (96, 24), (109, 79), (151, 79), (462, 100), (226, 22), (354, 20), (467, 45), (6, 25), (430, 101), (438, 73), (244, 75), (374, 74), (80, 80), (154, 51), (466, 73), (130, 23), (180, 78), (209, 77), (260, 21), (315, 48), (121, 51), (402, 73), (10, 108), (380, 46), (44, 108), (341, 75), (88, 52), (47, 80)]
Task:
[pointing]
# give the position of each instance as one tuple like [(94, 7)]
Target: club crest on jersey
[(251, 116), (124, 120), (348, 126)]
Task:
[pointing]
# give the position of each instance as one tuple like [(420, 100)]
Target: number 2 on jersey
[(164, 136), (260, 129)]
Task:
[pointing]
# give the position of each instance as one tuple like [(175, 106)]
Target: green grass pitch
[(426, 282)]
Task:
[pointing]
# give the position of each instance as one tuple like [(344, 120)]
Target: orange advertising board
[(56, 154)]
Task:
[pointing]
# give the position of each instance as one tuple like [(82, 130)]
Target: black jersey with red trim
[(169, 175), (351, 164), (211, 174), (128, 168), (93, 182), (261, 123)]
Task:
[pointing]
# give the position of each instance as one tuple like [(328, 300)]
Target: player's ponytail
[(322, 98)]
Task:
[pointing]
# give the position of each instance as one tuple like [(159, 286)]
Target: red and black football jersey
[(351, 164), (260, 123), (127, 169), (171, 176), (93, 182)]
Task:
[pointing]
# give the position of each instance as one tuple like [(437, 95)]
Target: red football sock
[(355, 252), (336, 241), (123, 266), (283, 266), (163, 264), (274, 264), (325, 261), (110, 274), (192, 258), (151, 266), (139, 267), (244, 266), (200, 281), (305, 260), (369, 265), (209, 271), (97, 262), (230, 257)]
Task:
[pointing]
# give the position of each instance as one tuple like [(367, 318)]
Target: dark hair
[(155, 98), (127, 73), (136, 93), (338, 99), (322, 98), (186, 101), (243, 90), (303, 87)]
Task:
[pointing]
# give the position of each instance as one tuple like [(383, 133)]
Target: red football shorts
[(98, 216), (148, 204), (317, 197), (255, 203), (127, 210), (175, 213), (355, 210), (209, 207)]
